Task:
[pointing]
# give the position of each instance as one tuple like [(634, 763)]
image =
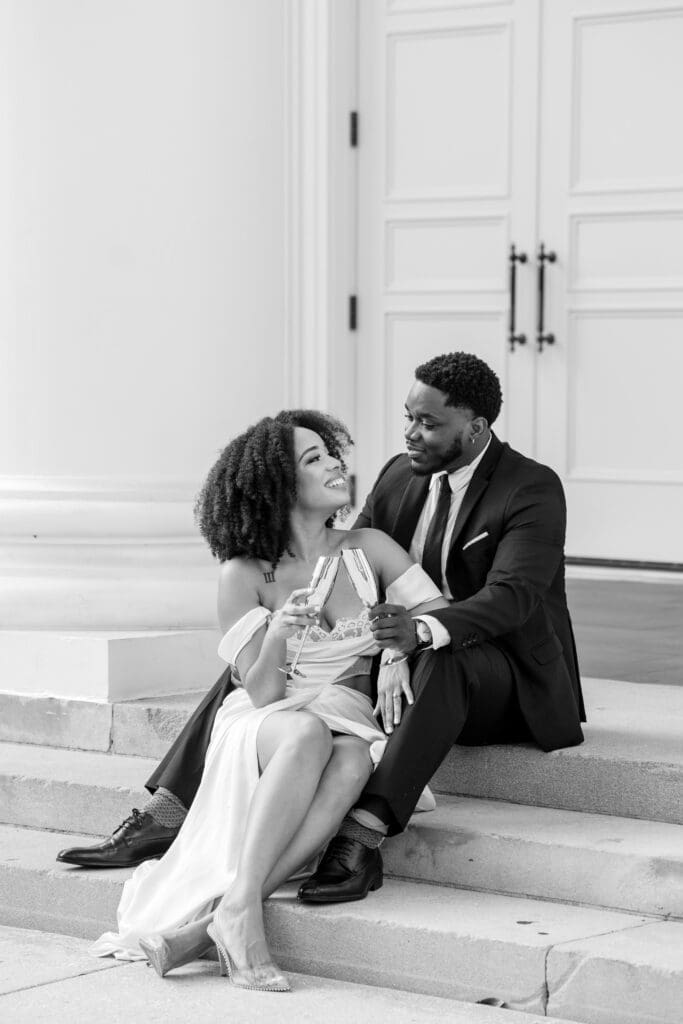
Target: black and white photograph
[(341, 505)]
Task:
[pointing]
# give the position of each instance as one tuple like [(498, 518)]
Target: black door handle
[(541, 337), (515, 258)]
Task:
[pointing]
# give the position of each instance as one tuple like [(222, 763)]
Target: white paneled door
[(611, 207), (486, 125)]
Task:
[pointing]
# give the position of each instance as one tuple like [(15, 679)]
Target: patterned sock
[(166, 809), (352, 829)]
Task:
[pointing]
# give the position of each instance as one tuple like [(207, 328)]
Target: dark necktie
[(431, 556)]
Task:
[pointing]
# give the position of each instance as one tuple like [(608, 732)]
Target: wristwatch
[(424, 634)]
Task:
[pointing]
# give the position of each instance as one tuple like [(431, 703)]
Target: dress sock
[(352, 829), (166, 809)]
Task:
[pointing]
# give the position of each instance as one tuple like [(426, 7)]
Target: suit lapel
[(478, 485), (409, 510)]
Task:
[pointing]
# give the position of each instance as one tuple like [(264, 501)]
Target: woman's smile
[(337, 481)]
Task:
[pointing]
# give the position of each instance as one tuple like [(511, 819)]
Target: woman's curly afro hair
[(468, 382), (245, 503)]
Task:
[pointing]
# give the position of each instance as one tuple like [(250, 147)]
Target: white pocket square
[(480, 536)]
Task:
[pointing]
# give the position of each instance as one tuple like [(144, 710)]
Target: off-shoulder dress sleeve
[(239, 635), (412, 587)]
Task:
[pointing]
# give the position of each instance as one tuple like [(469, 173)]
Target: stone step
[(69, 790), (594, 965), (599, 860), (47, 979), (593, 859), (142, 728), (631, 764)]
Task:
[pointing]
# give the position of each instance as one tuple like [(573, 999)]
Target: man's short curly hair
[(467, 381), (245, 503)]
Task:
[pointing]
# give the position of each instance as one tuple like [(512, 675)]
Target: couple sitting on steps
[(453, 571)]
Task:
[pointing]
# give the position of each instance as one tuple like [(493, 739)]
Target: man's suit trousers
[(465, 696)]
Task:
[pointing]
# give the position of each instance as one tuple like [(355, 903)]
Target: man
[(497, 665)]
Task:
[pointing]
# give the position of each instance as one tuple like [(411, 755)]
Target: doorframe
[(320, 92)]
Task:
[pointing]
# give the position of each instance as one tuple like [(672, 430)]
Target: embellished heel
[(224, 961), (246, 979), (166, 951)]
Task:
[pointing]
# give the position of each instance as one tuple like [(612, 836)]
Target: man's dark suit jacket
[(507, 588)]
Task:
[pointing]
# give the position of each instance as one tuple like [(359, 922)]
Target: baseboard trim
[(624, 571), (625, 563)]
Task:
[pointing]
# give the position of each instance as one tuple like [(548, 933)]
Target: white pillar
[(142, 308)]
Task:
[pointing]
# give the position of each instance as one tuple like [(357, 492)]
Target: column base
[(108, 665)]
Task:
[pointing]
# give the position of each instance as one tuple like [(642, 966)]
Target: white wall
[(141, 290)]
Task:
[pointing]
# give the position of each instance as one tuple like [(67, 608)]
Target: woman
[(294, 744)]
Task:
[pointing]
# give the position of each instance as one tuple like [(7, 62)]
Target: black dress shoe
[(348, 871), (138, 838)]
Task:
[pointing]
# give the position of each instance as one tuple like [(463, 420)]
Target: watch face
[(423, 633)]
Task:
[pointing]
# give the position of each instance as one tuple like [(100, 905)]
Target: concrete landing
[(76, 987), (626, 628)]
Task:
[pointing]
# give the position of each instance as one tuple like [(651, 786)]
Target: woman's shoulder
[(238, 590), (241, 572), (369, 539)]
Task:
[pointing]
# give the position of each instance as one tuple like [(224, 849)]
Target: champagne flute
[(361, 576), (322, 581)]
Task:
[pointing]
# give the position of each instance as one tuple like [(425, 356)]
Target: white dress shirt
[(459, 481)]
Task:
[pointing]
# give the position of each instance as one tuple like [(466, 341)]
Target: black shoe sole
[(110, 864), (373, 887)]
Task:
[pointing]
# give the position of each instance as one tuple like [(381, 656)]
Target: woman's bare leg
[(342, 780), (294, 748), (346, 773)]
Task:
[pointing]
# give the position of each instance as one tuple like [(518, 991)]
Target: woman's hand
[(294, 615), (393, 683)]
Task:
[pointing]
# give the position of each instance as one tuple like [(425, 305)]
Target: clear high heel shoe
[(266, 978), (167, 950)]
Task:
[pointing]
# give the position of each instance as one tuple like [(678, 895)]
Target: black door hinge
[(353, 312), (353, 129)]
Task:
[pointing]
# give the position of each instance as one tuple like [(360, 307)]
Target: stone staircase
[(553, 882)]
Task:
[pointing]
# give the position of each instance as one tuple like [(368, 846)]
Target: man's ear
[(479, 425)]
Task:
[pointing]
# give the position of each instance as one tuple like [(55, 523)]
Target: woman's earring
[(473, 439)]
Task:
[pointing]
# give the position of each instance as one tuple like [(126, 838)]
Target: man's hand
[(393, 627)]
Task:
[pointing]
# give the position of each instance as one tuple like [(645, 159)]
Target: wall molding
[(320, 91), (104, 488)]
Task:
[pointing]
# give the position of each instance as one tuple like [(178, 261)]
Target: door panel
[(627, 83), (437, 145)]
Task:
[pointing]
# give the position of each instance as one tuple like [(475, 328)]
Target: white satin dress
[(201, 864)]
